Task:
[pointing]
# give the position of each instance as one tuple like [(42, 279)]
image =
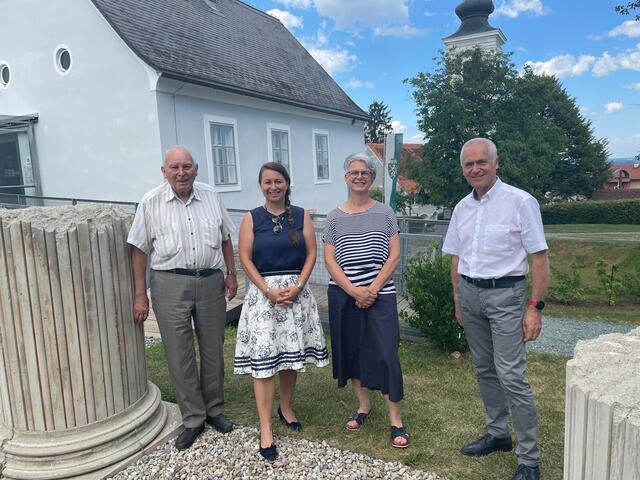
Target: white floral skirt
[(272, 338)]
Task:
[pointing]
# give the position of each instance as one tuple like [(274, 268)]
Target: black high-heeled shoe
[(270, 453), (295, 426)]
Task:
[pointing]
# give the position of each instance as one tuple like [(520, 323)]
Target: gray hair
[(180, 148), (361, 157), (491, 148)]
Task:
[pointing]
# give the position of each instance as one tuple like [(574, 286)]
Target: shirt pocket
[(167, 243), (497, 238), (211, 233)]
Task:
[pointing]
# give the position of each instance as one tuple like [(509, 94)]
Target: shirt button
[(191, 233), (193, 249)]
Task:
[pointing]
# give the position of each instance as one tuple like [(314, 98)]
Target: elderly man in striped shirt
[(182, 229)]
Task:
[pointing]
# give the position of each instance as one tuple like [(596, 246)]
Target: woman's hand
[(364, 296), (280, 296), (289, 295)]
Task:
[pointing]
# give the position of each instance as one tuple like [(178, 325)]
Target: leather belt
[(504, 282), (201, 272)]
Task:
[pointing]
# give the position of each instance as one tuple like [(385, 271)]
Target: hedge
[(606, 212)]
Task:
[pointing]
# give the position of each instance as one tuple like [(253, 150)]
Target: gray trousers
[(176, 300), (493, 325)]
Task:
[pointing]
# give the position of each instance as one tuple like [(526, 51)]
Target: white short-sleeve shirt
[(181, 235), (494, 235)]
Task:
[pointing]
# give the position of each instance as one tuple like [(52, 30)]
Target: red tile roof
[(634, 172), (411, 150)]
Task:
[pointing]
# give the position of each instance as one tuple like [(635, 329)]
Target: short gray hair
[(361, 157), (180, 148), (491, 147)]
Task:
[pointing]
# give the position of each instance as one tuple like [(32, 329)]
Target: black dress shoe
[(295, 426), (525, 472), (220, 423), (188, 436), (486, 445), (270, 453)]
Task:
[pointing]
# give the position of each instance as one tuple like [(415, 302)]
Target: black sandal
[(359, 418), (399, 432)]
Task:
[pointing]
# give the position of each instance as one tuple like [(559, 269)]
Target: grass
[(592, 228), (622, 313), (442, 411)]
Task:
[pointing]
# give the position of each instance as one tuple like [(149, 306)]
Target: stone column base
[(86, 449)]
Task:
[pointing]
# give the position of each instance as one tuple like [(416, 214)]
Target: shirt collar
[(491, 193), (169, 194)]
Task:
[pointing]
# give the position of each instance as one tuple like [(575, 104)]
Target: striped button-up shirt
[(174, 234)]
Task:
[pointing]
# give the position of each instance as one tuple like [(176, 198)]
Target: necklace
[(274, 214)]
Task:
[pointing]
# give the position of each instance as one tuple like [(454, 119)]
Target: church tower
[(475, 30)]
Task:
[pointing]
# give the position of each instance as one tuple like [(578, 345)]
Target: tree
[(629, 8), (544, 143), (379, 123)]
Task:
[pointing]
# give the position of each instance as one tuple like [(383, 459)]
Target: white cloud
[(419, 138), (513, 8), (402, 31), (629, 60), (635, 86), (333, 60), (373, 13), (429, 14), (613, 107), (355, 83), (563, 66), (636, 136), (295, 3), (398, 127), (630, 28), (288, 19)]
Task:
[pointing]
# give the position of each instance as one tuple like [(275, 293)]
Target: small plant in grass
[(568, 285), (427, 281), (611, 284)]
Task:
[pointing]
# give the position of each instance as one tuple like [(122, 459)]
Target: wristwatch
[(538, 304)]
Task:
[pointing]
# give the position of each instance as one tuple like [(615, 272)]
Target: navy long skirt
[(365, 341)]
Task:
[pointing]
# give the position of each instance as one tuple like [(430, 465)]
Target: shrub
[(376, 194), (568, 286), (427, 281), (610, 283), (631, 285), (609, 212)]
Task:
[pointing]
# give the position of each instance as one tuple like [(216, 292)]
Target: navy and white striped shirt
[(361, 241)]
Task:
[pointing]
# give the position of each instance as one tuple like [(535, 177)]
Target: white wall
[(188, 107), (97, 136)]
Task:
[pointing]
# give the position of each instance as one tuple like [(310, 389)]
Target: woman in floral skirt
[(279, 329)]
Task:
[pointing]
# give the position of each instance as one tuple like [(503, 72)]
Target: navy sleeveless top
[(275, 254)]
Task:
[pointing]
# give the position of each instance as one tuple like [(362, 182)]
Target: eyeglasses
[(359, 173), (277, 226)]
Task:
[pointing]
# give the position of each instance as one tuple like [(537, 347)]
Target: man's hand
[(458, 314), (230, 286), (140, 307), (531, 324)]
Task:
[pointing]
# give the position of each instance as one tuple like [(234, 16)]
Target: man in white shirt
[(183, 229), (493, 231)]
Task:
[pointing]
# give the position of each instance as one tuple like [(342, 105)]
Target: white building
[(93, 91)]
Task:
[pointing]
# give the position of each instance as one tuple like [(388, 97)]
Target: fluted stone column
[(602, 414), (74, 395)]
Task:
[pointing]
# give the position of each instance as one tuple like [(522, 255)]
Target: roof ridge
[(255, 10)]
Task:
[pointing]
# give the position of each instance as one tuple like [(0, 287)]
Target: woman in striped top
[(361, 253)]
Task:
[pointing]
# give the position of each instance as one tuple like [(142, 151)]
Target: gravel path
[(235, 456), (560, 335)]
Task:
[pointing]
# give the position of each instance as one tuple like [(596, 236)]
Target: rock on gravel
[(235, 456)]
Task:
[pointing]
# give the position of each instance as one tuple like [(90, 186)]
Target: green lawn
[(592, 228), (441, 410)]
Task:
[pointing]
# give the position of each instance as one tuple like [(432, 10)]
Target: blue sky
[(371, 46)]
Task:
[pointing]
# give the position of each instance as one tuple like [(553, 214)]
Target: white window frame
[(56, 60), (283, 128), (208, 121), (315, 132)]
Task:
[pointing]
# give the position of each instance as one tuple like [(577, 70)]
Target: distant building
[(92, 92), (475, 30), (623, 183)]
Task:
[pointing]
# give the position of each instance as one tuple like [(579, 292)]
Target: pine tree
[(379, 123)]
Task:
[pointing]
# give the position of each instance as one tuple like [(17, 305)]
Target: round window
[(63, 60), (5, 75)]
